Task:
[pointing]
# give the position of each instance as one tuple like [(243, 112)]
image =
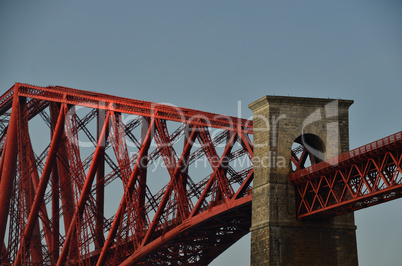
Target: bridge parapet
[(362, 177), (372, 148)]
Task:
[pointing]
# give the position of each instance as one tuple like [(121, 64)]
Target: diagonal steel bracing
[(89, 178), (360, 178)]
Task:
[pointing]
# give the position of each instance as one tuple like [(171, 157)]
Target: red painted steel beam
[(360, 178), (225, 190), (181, 177), (8, 166), (47, 227), (55, 243), (123, 203), (29, 181), (65, 180), (85, 192), (143, 216), (166, 195), (183, 227), (136, 107), (2, 158), (246, 183), (32, 218), (216, 168), (142, 180), (100, 183), (347, 157)]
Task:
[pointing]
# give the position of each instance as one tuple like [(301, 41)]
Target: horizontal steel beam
[(135, 107)]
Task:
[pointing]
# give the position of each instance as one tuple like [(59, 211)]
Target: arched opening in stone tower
[(307, 149)]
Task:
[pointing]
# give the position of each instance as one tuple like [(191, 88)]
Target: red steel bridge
[(88, 178)]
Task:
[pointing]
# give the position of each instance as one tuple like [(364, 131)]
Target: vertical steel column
[(100, 183), (35, 244), (26, 183), (55, 242), (142, 181), (63, 172), (54, 248), (66, 186), (2, 157), (9, 167), (32, 218), (123, 203), (84, 194), (47, 227)]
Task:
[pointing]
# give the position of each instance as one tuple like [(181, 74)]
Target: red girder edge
[(303, 175), (128, 106)]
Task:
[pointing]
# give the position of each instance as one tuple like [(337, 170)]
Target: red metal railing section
[(357, 179), (89, 178)]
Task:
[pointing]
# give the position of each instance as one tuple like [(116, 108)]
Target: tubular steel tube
[(166, 195), (100, 183), (9, 167), (84, 194), (122, 206), (62, 184), (215, 173), (32, 218)]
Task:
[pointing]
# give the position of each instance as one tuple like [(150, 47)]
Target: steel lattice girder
[(357, 179), (57, 188)]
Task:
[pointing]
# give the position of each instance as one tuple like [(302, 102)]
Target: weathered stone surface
[(277, 237)]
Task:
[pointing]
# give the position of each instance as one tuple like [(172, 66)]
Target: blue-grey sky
[(209, 55)]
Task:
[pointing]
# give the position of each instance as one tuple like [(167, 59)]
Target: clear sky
[(208, 55)]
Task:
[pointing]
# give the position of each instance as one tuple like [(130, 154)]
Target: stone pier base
[(277, 236)]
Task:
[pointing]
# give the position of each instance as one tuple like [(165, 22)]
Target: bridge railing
[(373, 147), (362, 177)]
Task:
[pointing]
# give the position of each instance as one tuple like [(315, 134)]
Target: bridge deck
[(365, 176)]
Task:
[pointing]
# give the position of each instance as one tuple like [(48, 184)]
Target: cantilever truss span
[(366, 176), (89, 178)]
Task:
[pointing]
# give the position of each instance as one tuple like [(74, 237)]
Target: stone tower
[(277, 237)]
